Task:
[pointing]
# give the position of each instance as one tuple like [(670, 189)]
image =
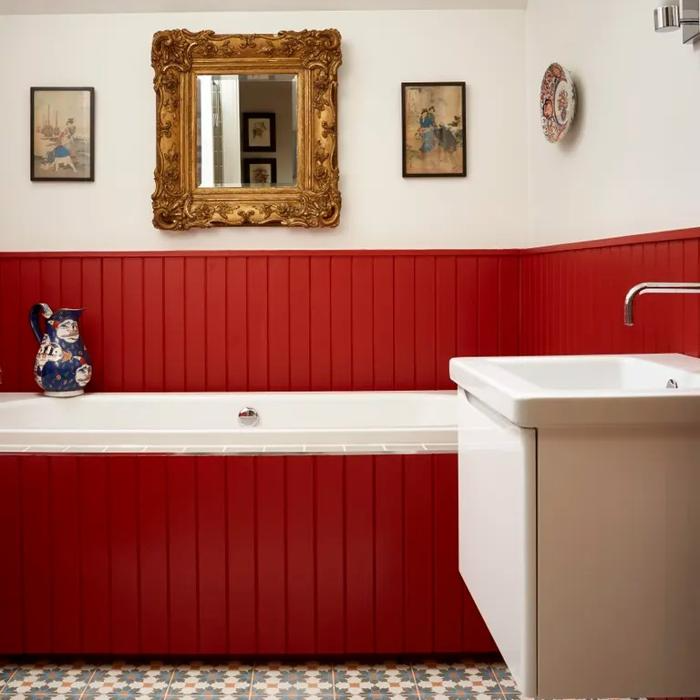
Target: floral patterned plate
[(557, 102)]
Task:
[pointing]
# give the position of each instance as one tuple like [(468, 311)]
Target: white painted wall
[(380, 208), (631, 163)]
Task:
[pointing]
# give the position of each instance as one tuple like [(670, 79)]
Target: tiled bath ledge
[(250, 450)]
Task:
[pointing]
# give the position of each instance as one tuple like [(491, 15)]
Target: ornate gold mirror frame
[(178, 56)]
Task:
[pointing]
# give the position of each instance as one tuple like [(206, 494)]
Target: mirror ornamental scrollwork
[(246, 129)]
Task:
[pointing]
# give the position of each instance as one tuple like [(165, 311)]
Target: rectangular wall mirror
[(246, 129)]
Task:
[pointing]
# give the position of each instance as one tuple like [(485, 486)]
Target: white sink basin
[(584, 389), (579, 519)]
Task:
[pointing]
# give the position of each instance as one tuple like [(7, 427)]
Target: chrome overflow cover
[(248, 417), (671, 384)]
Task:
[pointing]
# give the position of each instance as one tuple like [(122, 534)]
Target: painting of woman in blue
[(434, 129), (427, 134)]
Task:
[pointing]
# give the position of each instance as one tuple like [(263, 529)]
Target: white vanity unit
[(579, 517)]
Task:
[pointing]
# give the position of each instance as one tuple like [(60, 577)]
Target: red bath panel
[(147, 554)]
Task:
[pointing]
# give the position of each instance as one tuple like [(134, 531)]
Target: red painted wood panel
[(320, 322), (448, 586), (330, 554), (234, 354), (153, 325), (64, 551), (341, 323), (133, 329), (215, 324), (405, 322), (11, 583), (183, 613), (124, 553), (91, 320), (293, 320), (445, 317), (257, 323), (114, 351), (211, 554), (359, 555), (418, 511), (95, 560), (299, 324), (279, 324), (153, 553), (389, 554), (174, 330), (426, 324), (301, 555), (241, 516), (36, 565), (362, 324), (271, 554), (572, 300), (195, 339), (383, 317), (182, 555)]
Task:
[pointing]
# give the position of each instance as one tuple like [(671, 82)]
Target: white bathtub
[(207, 423)]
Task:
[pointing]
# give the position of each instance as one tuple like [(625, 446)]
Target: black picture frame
[(462, 131), (247, 146), (37, 177), (272, 162)]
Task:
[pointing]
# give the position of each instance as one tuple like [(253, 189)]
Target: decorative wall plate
[(557, 102)]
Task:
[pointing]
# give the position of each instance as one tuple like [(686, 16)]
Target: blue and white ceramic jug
[(62, 366)]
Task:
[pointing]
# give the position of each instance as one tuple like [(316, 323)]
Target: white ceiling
[(34, 7)]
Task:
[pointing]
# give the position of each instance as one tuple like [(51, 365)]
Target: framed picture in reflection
[(259, 131), (259, 172)]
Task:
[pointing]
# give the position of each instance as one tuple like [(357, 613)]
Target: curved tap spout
[(656, 288)]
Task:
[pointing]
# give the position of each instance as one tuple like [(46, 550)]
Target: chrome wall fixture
[(684, 14), (656, 288)]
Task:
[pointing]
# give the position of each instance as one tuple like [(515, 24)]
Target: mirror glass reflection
[(246, 130)]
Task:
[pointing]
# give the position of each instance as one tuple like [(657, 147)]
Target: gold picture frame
[(178, 56)]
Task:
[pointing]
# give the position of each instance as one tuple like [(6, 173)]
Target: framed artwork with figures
[(62, 139), (433, 129), (259, 131)]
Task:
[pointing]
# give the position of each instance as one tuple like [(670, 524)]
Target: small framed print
[(259, 131), (433, 129), (259, 172), (62, 134)]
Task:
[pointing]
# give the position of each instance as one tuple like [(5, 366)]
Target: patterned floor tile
[(6, 671), (505, 679), (375, 681), (379, 695), (456, 680), (207, 681), (68, 680), (286, 681), (126, 681), (36, 696)]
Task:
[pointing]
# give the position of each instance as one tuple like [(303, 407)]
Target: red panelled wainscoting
[(146, 554), (266, 321), (572, 296)]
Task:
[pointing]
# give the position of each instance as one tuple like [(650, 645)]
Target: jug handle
[(45, 311)]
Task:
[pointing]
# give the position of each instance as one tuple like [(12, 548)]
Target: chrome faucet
[(656, 288)]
